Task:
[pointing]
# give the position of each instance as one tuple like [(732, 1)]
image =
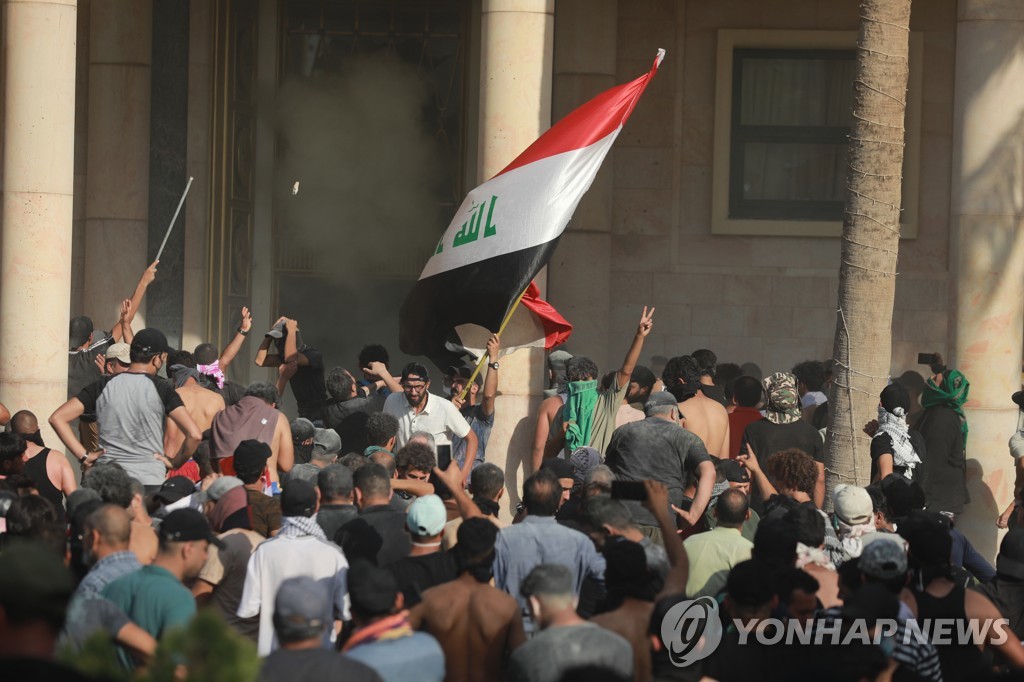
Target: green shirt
[(154, 599)]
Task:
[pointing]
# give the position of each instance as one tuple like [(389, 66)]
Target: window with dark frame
[(790, 124)]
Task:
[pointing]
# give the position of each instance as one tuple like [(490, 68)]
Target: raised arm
[(453, 479), (380, 370), (263, 357), (491, 380), (633, 355), (235, 344), (749, 460), (291, 350), (122, 331), (140, 291), (657, 503)]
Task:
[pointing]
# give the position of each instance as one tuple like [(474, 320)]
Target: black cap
[(415, 370), (149, 342), (81, 328), (174, 489), (928, 534), (371, 590), (186, 525), (1017, 397), (733, 471), (298, 498), (251, 456)]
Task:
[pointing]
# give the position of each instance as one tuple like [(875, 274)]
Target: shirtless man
[(201, 403), (51, 472), (702, 416), (631, 618), (255, 416), (477, 625)]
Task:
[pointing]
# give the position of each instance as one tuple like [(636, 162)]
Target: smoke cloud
[(368, 212)]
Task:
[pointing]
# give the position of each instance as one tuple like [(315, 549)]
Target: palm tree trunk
[(871, 224)]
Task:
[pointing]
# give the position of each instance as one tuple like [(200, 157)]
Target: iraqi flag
[(506, 230)]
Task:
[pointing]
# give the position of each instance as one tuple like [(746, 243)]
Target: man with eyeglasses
[(417, 409)]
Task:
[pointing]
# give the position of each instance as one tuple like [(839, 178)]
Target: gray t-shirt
[(131, 409), (555, 651), (658, 450)]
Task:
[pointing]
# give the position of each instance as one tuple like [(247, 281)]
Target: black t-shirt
[(945, 462), (654, 449), (82, 369), (416, 574), (314, 665), (766, 437), (308, 385), (882, 445), (377, 535), (348, 419)]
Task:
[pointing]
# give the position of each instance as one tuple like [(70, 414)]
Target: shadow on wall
[(519, 447), (979, 521)]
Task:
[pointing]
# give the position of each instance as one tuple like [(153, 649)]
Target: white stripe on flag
[(520, 209)]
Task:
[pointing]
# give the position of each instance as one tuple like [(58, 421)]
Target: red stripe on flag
[(588, 123), (556, 328)]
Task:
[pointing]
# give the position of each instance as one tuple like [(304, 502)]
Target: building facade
[(720, 204)]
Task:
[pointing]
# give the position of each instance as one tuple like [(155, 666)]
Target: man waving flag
[(507, 228)]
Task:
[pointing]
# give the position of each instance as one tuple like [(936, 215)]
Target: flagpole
[(483, 359)]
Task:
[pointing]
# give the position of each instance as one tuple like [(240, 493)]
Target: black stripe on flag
[(478, 293)]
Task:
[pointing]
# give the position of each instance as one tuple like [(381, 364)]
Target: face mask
[(34, 437)]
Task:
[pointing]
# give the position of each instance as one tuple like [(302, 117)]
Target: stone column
[(38, 188), (987, 243), (517, 39), (117, 184), (579, 280)]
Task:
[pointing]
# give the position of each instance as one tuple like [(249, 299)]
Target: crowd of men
[(368, 537)]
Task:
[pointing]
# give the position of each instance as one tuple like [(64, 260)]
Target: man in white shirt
[(300, 549), (417, 409)]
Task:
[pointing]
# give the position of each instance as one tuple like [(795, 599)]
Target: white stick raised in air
[(173, 218)]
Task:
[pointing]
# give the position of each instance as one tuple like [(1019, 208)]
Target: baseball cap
[(326, 441), (426, 516), (734, 471), (1010, 561), (558, 360), (852, 504), (80, 329), (928, 534), (660, 399), (371, 590), (149, 342), (34, 582), (416, 371), (121, 352), (222, 485), (883, 559), (298, 498), (277, 331), (302, 429), (251, 456), (174, 489), (300, 609), (186, 525)]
